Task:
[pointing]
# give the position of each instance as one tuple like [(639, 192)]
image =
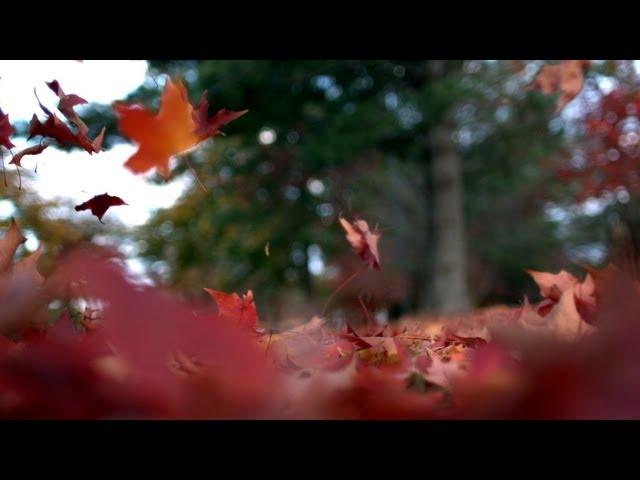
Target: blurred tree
[(601, 168), (429, 150)]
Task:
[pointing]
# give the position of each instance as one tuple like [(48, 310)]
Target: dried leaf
[(54, 128), (100, 204), (32, 150), (5, 131), (66, 105), (363, 241), (208, 127)]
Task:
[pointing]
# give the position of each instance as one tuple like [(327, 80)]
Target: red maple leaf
[(54, 128), (208, 127), (66, 105), (100, 204), (5, 130), (242, 310)]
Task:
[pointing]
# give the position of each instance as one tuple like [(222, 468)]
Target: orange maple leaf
[(176, 128)]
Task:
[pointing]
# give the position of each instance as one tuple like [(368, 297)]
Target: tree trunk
[(449, 281)]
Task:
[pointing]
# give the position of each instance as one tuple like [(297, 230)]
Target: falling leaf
[(55, 128), (208, 127), (32, 150), (381, 350), (175, 129), (363, 241), (5, 130), (239, 309), (66, 105), (266, 249), (100, 204), (565, 78)]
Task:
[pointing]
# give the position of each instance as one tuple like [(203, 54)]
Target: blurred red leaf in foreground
[(32, 150), (141, 352)]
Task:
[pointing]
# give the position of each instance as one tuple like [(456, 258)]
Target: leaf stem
[(195, 174), (366, 312), (341, 286)]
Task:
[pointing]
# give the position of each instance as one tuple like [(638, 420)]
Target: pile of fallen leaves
[(115, 349)]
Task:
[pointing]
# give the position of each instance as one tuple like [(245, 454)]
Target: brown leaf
[(363, 241), (54, 128), (208, 127), (66, 105)]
